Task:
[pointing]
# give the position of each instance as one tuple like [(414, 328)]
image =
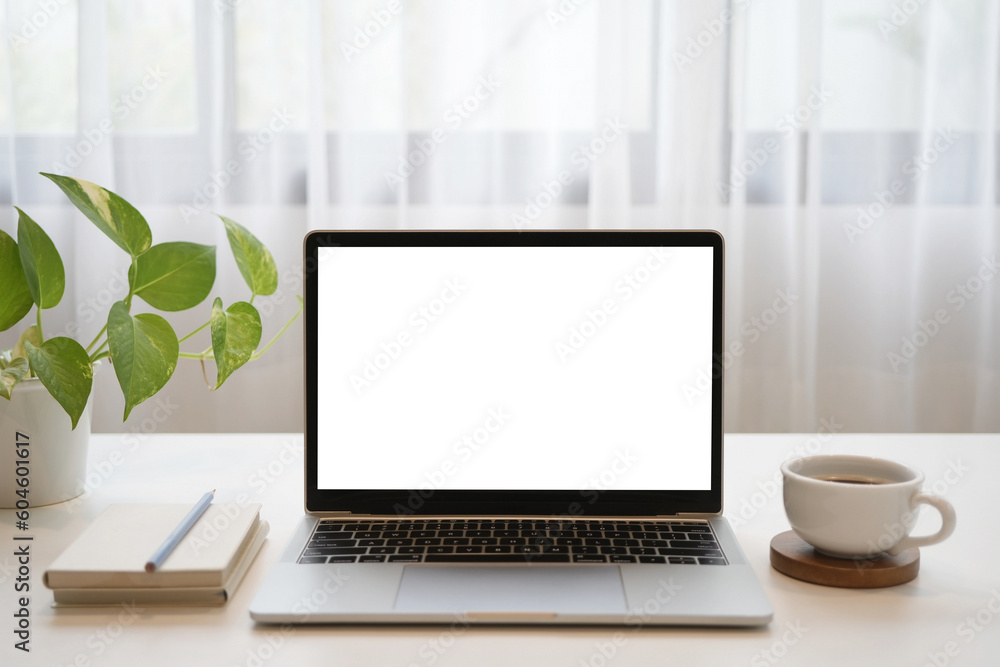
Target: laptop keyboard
[(512, 541)]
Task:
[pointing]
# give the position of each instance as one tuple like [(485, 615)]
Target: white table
[(949, 615)]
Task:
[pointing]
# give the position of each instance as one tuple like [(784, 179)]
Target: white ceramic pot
[(33, 423)]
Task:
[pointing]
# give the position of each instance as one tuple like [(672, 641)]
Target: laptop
[(500, 428)]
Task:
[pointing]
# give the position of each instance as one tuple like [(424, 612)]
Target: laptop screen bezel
[(405, 502)]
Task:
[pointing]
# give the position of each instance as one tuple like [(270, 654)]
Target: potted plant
[(47, 381)]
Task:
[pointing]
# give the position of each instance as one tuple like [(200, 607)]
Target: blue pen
[(156, 560)]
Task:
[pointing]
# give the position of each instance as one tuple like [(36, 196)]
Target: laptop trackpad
[(511, 589)]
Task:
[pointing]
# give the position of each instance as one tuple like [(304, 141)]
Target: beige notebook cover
[(190, 596), (112, 552)]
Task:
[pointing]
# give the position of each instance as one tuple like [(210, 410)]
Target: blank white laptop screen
[(513, 368)]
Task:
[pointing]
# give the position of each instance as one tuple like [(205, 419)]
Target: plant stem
[(100, 352), (207, 353), (257, 355), (97, 337), (195, 331), (38, 321), (128, 299)]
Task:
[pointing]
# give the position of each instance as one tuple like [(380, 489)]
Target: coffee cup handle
[(947, 524)]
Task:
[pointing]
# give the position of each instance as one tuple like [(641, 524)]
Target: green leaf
[(43, 268), (235, 335), (11, 375), (64, 368), (113, 215), (143, 351), (253, 259), (15, 297), (174, 276)]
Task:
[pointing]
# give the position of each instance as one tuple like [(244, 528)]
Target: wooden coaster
[(791, 556)]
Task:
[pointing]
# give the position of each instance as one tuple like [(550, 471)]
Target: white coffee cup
[(859, 506)]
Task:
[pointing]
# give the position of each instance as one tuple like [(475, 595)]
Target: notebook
[(105, 564), (498, 430)]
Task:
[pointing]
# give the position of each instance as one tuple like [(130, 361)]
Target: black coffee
[(852, 479)]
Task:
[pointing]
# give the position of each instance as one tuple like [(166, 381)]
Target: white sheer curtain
[(846, 150)]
